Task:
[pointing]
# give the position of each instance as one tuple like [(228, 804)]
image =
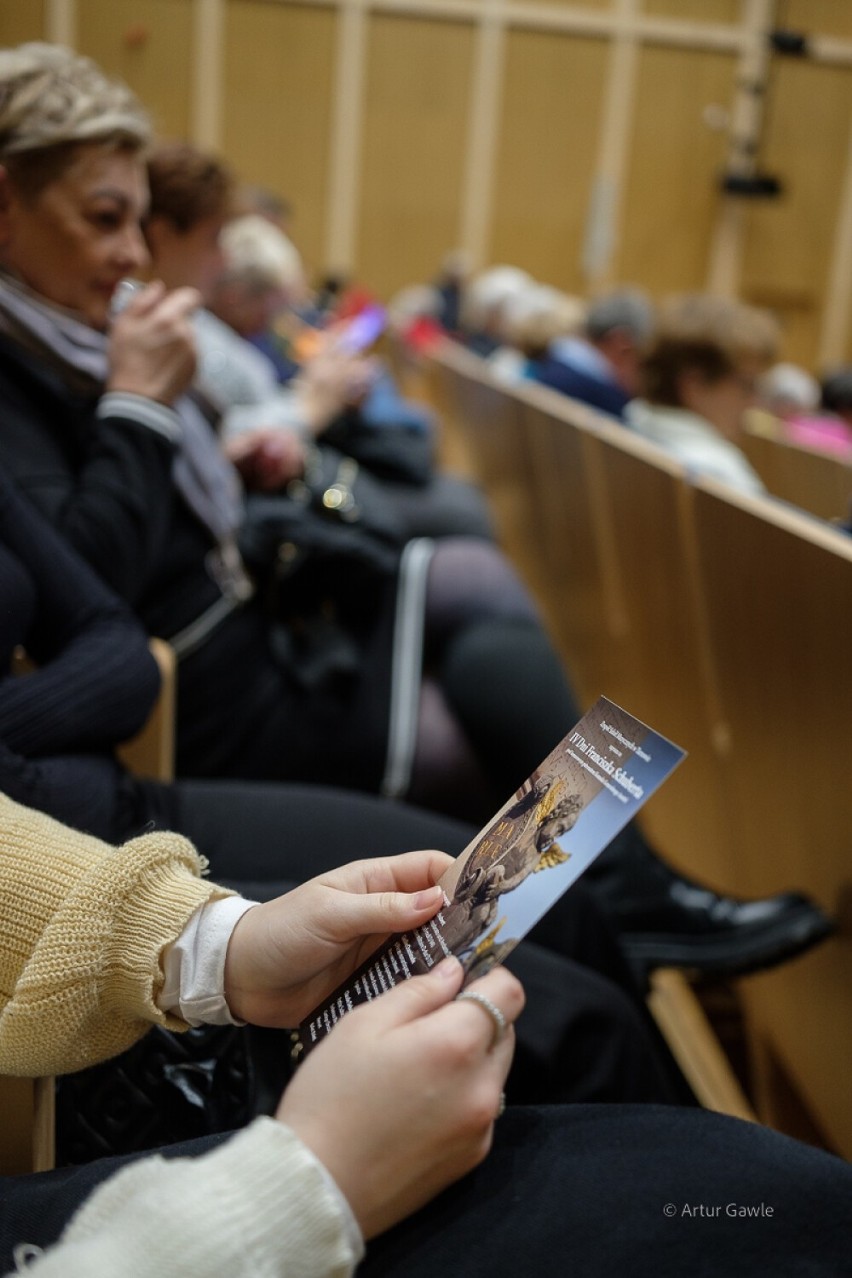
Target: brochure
[(537, 845)]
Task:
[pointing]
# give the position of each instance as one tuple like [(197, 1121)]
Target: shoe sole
[(724, 955)]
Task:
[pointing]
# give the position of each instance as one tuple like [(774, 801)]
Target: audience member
[(531, 319), (601, 366), (698, 379), (790, 400), (836, 394), (483, 303), (339, 404)]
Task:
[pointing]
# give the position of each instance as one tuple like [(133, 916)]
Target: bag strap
[(406, 666)]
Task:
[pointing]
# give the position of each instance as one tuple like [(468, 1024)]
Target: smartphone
[(360, 332)]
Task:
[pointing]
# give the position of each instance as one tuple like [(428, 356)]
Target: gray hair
[(257, 254), (627, 309), (52, 97)]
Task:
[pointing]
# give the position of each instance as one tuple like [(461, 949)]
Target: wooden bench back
[(721, 620), (816, 482)]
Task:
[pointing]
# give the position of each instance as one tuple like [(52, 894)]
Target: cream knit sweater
[(82, 928)]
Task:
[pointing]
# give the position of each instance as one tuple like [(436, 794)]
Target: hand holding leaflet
[(535, 847)]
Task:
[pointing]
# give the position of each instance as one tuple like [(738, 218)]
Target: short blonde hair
[(52, 99), (708, 335), (532, 319)]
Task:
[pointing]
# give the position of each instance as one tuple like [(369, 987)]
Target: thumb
[(417, 997), (364, 914)]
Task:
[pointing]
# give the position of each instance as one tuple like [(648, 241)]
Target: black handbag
[(324, 554), (167, 1087)]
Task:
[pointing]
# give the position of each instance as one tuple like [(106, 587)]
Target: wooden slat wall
[(413, 150), (379, 169), (669, 137), (788, 242), (19, 22), (159, 66), (545, 162), (279, 64)]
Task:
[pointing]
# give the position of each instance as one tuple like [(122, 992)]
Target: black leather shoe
[(665, 920)]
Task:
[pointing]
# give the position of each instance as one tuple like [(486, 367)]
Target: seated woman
[(598, 1190), (698, 378), (339, 404), (101, 429)]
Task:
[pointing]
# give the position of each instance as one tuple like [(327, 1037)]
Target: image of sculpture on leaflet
[(531, 852)]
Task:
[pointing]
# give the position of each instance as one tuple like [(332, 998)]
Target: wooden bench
[(720, 620), (564, 470), (778, 589), (816, 482)]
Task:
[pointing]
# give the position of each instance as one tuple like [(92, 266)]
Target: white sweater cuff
[(194, 965), (147, 412)]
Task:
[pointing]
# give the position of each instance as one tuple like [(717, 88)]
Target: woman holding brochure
[(384, 1134)]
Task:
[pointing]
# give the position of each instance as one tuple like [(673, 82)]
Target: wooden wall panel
[(21, 20), (158, 67), (695, 10), (827, 17), (574, 4), (547, 151), (415, 132), (671, 198), (278, 82), (789, 241)]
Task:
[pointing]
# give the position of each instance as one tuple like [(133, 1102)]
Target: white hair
[(258, 253), (535, 316), (788, 388), (487, 294)]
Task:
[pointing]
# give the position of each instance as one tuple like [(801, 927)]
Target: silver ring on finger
[(501, 1106), (491, 1008)]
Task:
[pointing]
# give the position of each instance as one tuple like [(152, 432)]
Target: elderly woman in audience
[(337, 403), (401, 1101), (600, 364), (532, 319), (102, 429), (698, 379), (790, 411)]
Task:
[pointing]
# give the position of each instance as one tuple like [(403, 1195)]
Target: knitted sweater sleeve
[(259, 1206), (82, 929)]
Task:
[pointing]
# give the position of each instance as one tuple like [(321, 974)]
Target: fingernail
[(429, 896), (448, 968)]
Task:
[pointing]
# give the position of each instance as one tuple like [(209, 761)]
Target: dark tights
[(495, 699)]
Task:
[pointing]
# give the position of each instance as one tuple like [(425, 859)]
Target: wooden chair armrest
[(151, 753), (681, 1020)]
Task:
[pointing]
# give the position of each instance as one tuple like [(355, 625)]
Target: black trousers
[(594, 1190)]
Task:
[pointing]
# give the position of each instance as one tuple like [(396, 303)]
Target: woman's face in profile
[(80, 235)]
